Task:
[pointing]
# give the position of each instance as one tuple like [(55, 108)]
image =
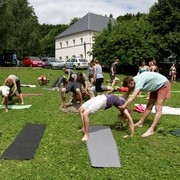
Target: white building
[(78, 39)]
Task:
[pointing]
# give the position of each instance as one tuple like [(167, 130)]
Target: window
[(67, 43), (60, 58), (60, 44), (81, 40), (74, 42), (81, 55), (67, 57)]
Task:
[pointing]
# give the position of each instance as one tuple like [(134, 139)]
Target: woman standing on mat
[(102, 102), (13, 81)]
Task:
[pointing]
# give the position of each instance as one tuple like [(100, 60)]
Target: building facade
[(78, 39)]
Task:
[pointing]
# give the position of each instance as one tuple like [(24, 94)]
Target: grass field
[(62, 155)]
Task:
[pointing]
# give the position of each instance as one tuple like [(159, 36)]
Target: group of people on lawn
[(81, 85)]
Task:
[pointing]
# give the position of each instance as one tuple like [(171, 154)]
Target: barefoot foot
[(85, 138), (147, 133), (81, 130), (138, 125)]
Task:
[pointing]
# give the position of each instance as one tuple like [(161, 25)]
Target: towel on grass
[(28, 85), (165, 110), (16, 106)]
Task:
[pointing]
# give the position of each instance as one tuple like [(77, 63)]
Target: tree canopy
[(132, 38)]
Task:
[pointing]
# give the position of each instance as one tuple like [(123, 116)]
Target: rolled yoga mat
[(102, 147), (26, 143)]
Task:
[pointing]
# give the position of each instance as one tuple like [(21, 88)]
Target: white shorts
[(95, 104), (4, 90)]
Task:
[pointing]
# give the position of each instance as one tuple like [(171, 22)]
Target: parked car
[(33, 61), (53, 63), (77, 63)]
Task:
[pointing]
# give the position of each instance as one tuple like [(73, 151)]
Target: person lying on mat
[(43, 80), (159, 88), (75, 88), (4, 92), (14, 81), (102, 102)]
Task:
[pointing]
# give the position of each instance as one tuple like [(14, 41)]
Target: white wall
[(74, 45)]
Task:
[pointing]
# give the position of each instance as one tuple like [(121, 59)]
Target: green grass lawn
[(62, 155)]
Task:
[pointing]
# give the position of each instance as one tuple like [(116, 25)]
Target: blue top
[(99, 72), (149, 81)]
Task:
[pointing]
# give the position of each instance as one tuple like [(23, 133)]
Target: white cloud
[(62, 11)]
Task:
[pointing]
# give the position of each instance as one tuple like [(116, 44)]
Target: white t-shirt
[(4, 90)]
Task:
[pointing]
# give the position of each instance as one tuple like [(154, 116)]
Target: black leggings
[(98, 84)]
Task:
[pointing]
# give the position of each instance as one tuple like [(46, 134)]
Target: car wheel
[(74, 67)]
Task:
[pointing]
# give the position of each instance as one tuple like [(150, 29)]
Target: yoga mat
[(32, 94), (102, 147), (28, 85), (166, 110), (120, 94), (49, 89), (16, 106), (26, 143), (175, 132)]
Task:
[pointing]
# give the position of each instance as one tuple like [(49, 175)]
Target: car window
[(68, 60), (35, 58), (83, 60)]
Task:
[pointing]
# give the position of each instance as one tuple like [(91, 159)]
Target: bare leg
[(79, 95), (81, 111), (63, 97), (6, 102), (146, 113), (86, 123), (21, 97), (157, 117), (109, 90)]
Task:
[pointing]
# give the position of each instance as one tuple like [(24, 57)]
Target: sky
[(63, 11)]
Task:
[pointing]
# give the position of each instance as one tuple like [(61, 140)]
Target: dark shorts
[(112, 77), (18, 84), (98, 84), (72, 86)]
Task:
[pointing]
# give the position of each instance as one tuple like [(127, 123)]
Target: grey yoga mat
[(102, 147), (26, 143)]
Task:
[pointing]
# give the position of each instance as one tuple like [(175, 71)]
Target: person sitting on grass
[(102, 102), (43, 80), (4, 92), (75, 88)]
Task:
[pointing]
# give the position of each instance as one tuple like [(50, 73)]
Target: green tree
[(3, 25), (22, 33), (48, 34), (131, 41), (165, 19)]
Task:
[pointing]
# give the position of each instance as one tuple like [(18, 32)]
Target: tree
[(129, 40), (165, 19), (48, 33)]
